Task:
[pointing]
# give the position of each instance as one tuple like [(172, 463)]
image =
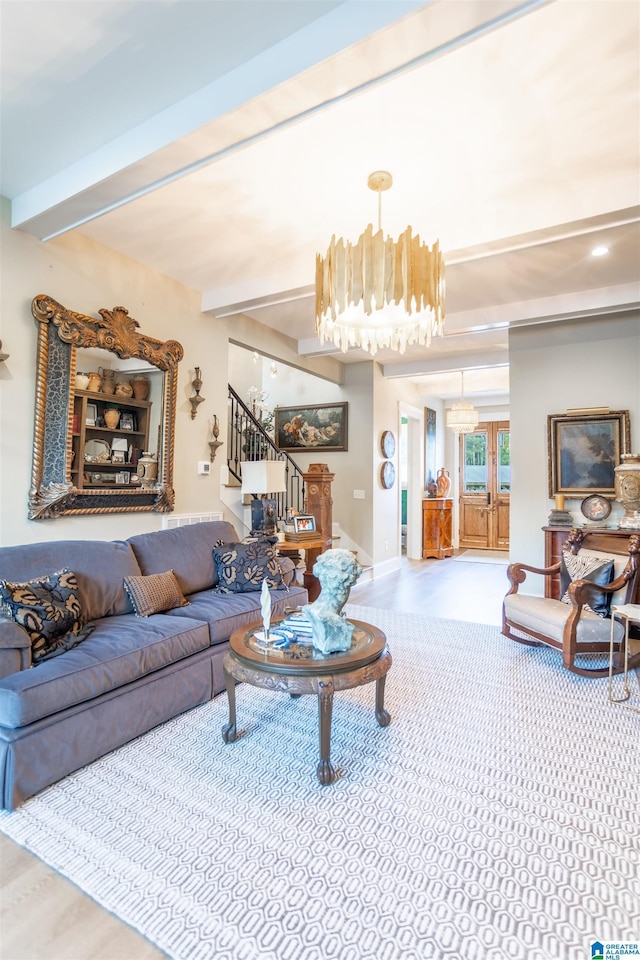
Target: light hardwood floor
[(45, 917)]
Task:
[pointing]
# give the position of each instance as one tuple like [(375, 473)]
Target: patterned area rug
[(496, 818)]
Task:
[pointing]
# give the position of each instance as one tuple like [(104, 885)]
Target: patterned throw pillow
[(242, 567), (587, 567), (155, 593), (49, 610)]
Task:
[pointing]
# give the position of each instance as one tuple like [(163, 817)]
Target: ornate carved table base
[(320, 676)]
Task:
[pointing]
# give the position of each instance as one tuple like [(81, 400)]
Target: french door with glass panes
[(485, 485)]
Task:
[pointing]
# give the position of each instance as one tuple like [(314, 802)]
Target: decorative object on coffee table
[(337, 571)]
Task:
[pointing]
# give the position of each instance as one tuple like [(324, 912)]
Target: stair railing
[(248, 440)]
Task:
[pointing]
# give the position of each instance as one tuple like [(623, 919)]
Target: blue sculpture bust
[(337, 571)]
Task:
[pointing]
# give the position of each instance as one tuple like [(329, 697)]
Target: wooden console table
[(554, 537), (437, 521)]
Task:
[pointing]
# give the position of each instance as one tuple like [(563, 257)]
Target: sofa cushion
[(99, 565), (582, 566), (119, 651), (154, 594), (185, 550), (225, 613), (49, 609), (242, 567)]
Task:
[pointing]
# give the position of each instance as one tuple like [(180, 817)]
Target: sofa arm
[(15, 648)]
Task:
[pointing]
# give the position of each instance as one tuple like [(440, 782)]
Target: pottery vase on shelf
[(140, 387), (82, 381), (443, 483), (147, 469), (123, 389), (95, 383), (627, 475), (111, 418), (108, 381)]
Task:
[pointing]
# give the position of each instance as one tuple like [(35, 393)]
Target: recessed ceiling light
[(600, 251)]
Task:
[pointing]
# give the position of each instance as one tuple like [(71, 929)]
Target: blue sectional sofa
[(131, 673)]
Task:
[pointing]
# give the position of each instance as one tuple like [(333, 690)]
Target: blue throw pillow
[(598, 570), (241, 567)]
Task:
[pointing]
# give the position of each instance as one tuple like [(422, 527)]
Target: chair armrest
[(15, 648), (578, 591), (517, 573)]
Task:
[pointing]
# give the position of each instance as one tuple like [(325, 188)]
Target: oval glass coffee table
[(300, 669)]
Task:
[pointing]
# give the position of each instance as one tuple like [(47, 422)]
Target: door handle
[(489, 499)]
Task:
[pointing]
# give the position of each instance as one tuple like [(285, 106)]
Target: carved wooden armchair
[(594, 575)]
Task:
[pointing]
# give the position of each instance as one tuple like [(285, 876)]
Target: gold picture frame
[(584, 450)]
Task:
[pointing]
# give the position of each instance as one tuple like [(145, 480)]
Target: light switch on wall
[(358, 494), (204, 468)]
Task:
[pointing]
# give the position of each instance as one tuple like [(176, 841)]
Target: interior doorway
[(485, 486)]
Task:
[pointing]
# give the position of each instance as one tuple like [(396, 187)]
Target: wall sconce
[(3, 356), (196, 399), (215, 443)]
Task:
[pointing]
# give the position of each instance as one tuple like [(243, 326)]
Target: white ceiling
[(223, 142)]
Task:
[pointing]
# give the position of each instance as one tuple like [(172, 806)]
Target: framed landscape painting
[(584, 450), (319, 427)]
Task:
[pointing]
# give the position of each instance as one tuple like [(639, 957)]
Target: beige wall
[(582, 363), (85, 276), (587, 363)]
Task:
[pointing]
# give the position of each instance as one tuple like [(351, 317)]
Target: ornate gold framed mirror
[(103, 440)]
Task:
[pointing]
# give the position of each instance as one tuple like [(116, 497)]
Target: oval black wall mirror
[(104, 415)]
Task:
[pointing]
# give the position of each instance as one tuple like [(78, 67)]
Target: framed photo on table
[(584, 451), (304, 524)]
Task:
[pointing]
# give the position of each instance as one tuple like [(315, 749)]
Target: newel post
[(318, 501)]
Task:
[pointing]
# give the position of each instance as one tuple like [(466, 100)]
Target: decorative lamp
[(260, 478), (380, 293), (463, 416)]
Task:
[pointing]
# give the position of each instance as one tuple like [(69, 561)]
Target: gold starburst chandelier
[(380, 293)]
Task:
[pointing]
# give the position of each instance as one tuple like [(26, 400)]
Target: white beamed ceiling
[(224, 143)]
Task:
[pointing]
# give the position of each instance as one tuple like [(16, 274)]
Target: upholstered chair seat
[(579, 623), (544, 615)]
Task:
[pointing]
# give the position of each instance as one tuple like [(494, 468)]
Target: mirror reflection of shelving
[(111, 431)]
